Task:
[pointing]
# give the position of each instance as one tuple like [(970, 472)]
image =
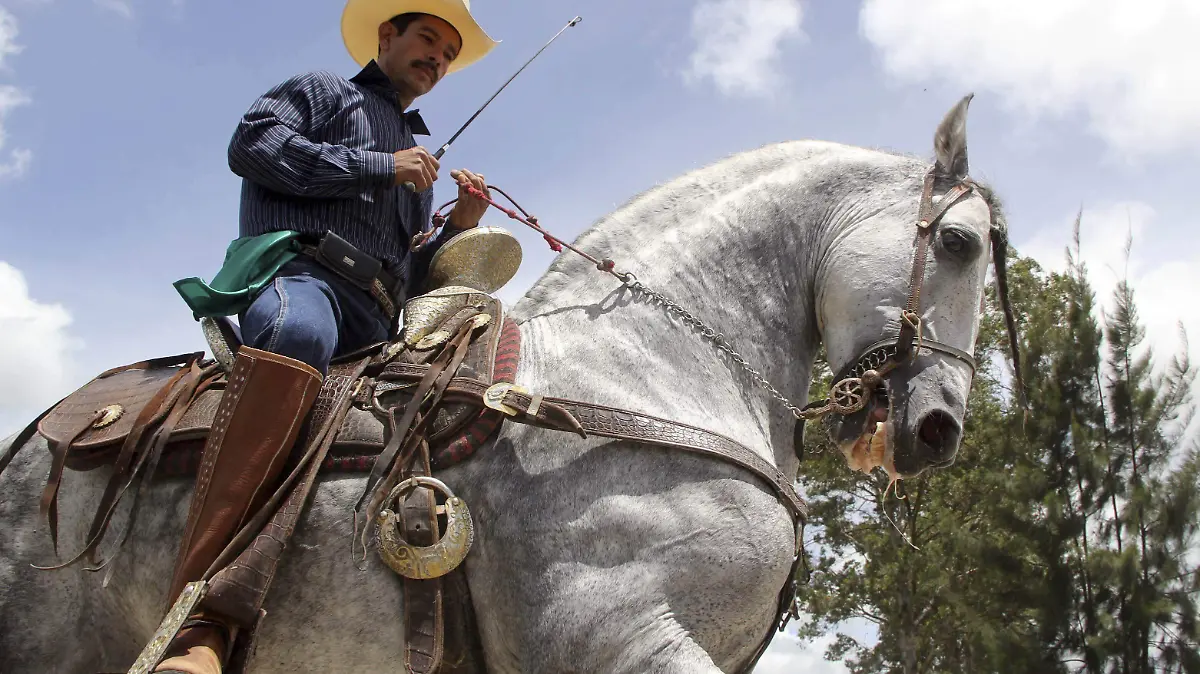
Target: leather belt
[(383, 288)]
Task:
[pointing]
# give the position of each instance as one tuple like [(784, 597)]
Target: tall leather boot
[(265, 404)]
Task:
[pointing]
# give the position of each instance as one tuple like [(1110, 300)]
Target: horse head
[(900, 291)]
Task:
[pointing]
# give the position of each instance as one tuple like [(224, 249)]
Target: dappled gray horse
[(600, 555)]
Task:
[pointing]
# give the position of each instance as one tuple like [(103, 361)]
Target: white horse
[(598, 555)]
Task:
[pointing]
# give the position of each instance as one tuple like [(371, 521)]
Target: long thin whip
[(442, 150)]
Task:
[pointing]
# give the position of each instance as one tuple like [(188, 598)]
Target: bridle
[(858, 381)]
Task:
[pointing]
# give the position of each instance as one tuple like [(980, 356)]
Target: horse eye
[(954, 242)]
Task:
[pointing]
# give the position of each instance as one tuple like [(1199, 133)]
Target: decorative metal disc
[(493, 397), (435, 560), (848, 396), (108, 415), (482, 258)]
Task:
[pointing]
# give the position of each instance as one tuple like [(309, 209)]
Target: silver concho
[(108, 415)]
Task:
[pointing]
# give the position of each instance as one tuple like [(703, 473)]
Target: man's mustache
[(427, 66)]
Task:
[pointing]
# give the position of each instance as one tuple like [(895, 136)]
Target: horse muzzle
[(927, 416), (907, 422)]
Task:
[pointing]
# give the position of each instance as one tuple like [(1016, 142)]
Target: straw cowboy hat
[(361, 19)]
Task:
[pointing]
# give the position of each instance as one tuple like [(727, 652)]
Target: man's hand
[(468, 209), (416, 165)]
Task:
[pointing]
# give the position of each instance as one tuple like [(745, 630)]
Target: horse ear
[(950, 141)]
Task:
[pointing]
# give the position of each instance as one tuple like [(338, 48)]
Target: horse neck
[(738, 245)]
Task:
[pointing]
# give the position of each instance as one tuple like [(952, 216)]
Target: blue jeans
[(313, 315)]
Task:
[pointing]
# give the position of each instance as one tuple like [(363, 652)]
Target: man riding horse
[(323, 263)]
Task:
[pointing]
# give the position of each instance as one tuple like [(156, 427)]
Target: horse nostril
[(939, 431)]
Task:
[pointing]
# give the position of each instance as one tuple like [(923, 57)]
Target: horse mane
[(783, 150), (698, 181)]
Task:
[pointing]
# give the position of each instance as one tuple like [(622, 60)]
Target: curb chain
[(708, 333), (630, 281)]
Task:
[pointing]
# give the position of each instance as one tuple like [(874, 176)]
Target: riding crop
[(442, 150)]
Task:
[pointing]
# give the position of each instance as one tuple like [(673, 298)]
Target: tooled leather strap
[(238, 587), (164, 398), (583, 418), (424, 615), (626, 425)]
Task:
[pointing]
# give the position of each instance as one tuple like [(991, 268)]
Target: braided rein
[(630, 281)]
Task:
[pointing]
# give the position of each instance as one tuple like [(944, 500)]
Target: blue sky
[(115, 116)]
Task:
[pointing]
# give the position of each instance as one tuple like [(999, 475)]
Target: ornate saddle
[(95, 421)]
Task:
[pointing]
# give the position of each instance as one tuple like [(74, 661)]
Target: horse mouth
[(872, 449)]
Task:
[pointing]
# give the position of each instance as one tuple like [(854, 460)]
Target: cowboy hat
[(361, 19)]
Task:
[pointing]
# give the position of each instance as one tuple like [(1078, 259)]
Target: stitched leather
[(455, 430), (131, 386), (237, 591), (581, 417), (268, 399)]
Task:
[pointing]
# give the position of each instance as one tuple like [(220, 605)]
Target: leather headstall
[(864, 376)]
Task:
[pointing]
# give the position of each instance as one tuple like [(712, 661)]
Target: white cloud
[(1163, 280), (35, 351), (1128, 67), (738, 43), (10, 97), (8, 35), (787, 654), (122, 7), (17, 164)]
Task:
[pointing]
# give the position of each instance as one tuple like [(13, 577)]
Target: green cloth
[(250, 264)]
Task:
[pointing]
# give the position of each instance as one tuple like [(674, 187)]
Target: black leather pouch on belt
[(349, 262)]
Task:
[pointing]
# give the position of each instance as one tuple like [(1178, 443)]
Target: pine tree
[(1154, 510), (1062, 539)]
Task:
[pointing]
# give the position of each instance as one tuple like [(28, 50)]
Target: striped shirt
[(315, 155)]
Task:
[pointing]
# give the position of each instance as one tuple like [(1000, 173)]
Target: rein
[(858, 380), (628, 279)]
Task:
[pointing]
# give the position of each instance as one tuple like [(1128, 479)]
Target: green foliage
[(1064, 536)]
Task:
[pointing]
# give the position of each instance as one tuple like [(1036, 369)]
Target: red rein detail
[(524, 217), (555, 244)]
